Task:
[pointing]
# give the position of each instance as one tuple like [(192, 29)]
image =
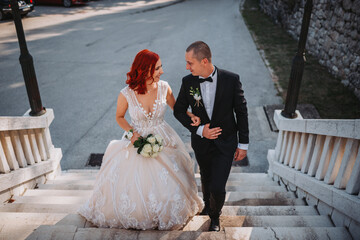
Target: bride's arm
[(122, 106), (170, 99), (171, 102)]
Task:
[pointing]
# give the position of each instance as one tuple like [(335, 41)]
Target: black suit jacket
[(229, 113)]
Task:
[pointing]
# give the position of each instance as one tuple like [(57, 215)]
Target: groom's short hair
[(200, 49)]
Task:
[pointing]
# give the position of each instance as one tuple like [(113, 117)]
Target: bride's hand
[(135, 137), (196, 121)]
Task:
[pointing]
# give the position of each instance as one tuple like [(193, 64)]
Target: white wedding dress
[(135, 192)]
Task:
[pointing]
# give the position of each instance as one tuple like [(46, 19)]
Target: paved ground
[(82, 55)]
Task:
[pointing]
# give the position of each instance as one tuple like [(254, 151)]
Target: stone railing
[(27, 155), (320, 161)]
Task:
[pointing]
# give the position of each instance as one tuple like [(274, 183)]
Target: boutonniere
[(197, 96)]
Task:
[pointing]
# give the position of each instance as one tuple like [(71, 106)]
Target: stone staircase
[(256, 208)]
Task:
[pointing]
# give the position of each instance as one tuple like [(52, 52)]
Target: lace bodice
[(142, 121)]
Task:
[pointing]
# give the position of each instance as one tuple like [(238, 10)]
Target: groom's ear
[(205, 61)]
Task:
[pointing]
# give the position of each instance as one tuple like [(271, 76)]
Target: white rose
[(161, 148), (144, 154), (197, 97), (151, 140), (147, 148), (158, 138), (156, 148)]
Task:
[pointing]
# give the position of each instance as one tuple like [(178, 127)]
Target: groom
[(214, 95)]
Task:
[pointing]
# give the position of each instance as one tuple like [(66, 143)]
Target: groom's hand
[(211, 133), (195, 121), (240, 154)]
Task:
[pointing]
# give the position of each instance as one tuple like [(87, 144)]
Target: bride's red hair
[(144, 63)]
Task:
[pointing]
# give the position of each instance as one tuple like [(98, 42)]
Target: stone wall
[(334, 33)]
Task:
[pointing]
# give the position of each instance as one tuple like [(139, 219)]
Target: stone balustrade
[(320, 160), (26, 152)]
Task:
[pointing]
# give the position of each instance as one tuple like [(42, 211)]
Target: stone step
[(202, 223), (51, 199), (76, 177), (72, 232), (16, 231), (226, 211), (231, 233), (46, 192), (46, 232), (65, 186), (75, 220), (228, 188), (233, 198), (246, 183), (72, 197), (268, 210), (253, 189), (229, 183), (82, 170), (276, 233), (40, 208), (267, 202), (243, 177), (242, 196), (72, 182), (22, 218)]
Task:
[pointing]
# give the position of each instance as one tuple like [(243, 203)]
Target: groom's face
[(195, 66)]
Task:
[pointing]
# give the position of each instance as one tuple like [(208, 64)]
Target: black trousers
[(215, 166)]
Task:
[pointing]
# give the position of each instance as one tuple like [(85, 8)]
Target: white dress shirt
[(208, 90)]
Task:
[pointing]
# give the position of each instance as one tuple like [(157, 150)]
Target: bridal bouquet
[(149, 146)]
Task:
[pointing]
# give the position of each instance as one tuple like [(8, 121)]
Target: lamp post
[(27, 65), (297, 67)]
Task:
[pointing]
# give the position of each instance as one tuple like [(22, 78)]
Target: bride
[(136, 192)]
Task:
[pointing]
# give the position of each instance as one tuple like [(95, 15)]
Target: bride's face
[(158, 71)]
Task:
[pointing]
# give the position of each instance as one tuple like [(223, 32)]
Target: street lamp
[(27, 65), (297, 67)]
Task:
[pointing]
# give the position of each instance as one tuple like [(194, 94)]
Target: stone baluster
[(301, 152), (25, 142), (34, 146), (9, 150), (4, 166), (335, 160), (353, 185), (347, 164), (19, 152), (310, 146)]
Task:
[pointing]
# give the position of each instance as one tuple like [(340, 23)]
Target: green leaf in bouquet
[(140, 149), (137, 143)]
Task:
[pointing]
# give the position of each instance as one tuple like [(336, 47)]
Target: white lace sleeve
[(125, 92), (164, 88)]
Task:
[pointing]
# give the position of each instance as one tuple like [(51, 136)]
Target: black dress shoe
[(205, 211), (214, 225)]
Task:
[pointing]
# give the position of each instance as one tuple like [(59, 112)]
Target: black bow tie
[(209, 79)]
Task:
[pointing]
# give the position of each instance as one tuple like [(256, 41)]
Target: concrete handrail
[(322, 158), (26, 121), (330, 127), (25, 141)]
